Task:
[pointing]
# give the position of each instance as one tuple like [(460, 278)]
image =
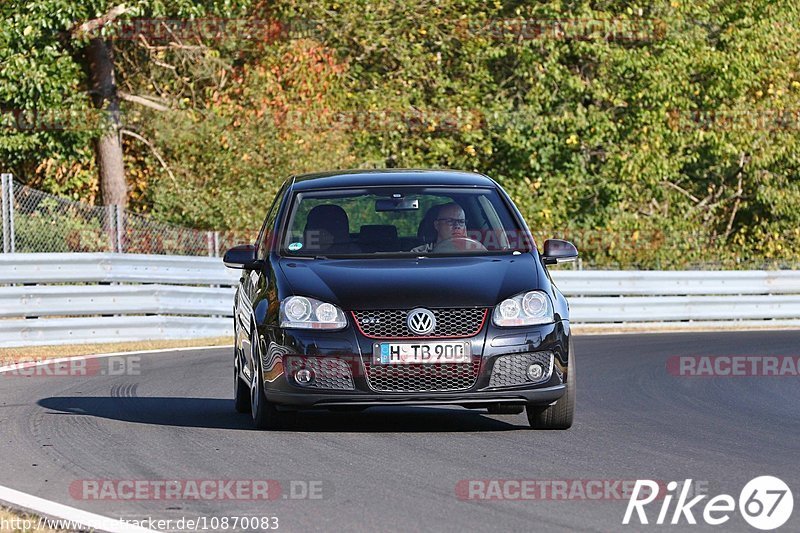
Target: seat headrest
[(327, 224), (378, 233)]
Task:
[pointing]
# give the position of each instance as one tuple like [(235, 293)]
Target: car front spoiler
[(310, 400)]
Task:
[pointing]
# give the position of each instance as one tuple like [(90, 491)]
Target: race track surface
[(397, 469)]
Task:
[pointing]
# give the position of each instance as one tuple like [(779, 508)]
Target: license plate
[(409, 353)]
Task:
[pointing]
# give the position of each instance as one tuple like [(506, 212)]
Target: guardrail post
[(110, 224), (11, 230), (6, 236), (120, 223)]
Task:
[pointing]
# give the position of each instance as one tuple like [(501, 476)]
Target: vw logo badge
[(421, 321)]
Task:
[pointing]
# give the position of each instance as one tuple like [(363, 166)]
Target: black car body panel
[(400, 177), (415, 282)]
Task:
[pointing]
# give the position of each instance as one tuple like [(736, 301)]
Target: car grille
[(510, 370), (329, 372), (422, 377), (391, 324)]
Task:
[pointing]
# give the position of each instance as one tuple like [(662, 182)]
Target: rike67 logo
[(765, 503)]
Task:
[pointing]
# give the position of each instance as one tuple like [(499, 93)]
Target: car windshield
[(402, 221)]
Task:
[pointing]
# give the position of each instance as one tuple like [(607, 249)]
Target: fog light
[(535, 372), (303, 376)]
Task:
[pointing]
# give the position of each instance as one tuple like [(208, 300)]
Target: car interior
[(329, 228)]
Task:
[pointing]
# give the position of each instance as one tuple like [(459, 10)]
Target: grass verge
[(12, 521), (27, 353)]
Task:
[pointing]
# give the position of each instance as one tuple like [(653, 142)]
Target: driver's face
[(450, 223)]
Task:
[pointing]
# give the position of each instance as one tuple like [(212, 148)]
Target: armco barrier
[(673, 298), (114, 268), (104, 297), (109, 329)]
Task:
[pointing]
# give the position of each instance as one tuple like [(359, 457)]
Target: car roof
[(367, 178)]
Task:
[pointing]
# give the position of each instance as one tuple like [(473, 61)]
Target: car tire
[(241, 392), (560, 414), (265, 413)]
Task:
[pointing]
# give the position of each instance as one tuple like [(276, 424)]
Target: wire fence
[(38, 222)]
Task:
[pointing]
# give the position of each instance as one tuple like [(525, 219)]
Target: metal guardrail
[(114, 268), (45, 300), (50, 331), (676, 283), (103, 297), (670, 299), (675, 298)]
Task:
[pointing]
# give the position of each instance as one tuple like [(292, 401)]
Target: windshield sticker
[(293, 247)]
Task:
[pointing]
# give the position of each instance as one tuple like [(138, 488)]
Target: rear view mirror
[(558, 251), (243, 256), (396, 204)]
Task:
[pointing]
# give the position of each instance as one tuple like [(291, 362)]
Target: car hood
[(362, 284)]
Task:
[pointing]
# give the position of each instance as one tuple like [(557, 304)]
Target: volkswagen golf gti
[(400, 287)]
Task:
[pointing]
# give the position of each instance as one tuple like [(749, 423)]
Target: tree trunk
[(108, 146)]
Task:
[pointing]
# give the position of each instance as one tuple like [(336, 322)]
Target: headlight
[(308, 313), (526, 309)]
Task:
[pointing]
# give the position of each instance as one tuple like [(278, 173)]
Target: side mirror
[(558, 251), (242, 256)]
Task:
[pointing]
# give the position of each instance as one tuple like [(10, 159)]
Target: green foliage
[(56, 228), (675, 148), (44, 86)]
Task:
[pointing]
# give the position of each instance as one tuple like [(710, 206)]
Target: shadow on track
[(215, 413)]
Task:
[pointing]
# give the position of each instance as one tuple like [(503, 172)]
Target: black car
[(400, 287)]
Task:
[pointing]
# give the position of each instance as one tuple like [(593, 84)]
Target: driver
[(450, 223)]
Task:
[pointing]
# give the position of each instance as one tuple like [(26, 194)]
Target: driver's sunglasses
[(454, 222)]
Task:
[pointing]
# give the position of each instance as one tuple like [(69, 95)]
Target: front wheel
[(560, 414), (241, 392), (265, 414)]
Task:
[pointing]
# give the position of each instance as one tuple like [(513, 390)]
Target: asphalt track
[(397, 469)]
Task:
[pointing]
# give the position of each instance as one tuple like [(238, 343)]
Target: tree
[(54, 53), (108, 145), (661, 136)]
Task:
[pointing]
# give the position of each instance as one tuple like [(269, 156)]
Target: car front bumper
[(289, 350)]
